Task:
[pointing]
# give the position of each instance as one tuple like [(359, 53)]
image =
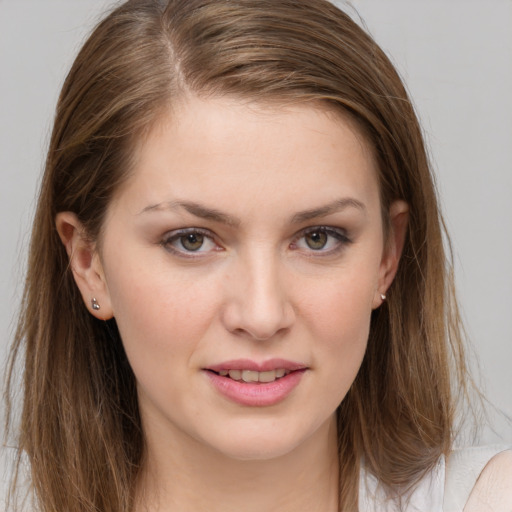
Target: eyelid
[(339, 234), (171, 236)]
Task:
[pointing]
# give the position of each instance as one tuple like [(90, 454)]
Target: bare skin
[(493, 490), (304, 480)]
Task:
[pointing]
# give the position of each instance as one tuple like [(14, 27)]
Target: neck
[(180, 478)]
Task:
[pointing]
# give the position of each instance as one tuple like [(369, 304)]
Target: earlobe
[(85, 264), (399, 217)]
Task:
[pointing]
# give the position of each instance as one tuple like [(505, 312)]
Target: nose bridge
[(259, 304)]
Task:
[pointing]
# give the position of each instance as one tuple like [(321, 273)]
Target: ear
[(85, 264), (399, 217)]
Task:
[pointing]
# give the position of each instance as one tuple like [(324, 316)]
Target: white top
[(445, 489)]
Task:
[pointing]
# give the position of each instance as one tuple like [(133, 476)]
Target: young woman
[(237, 296)]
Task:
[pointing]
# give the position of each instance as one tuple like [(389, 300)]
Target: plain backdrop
[(456, 58)]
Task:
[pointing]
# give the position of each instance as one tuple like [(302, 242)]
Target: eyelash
[(176, 236), (339, 235), (341, 240)]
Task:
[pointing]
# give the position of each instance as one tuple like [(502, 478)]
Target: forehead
[(226, 150)]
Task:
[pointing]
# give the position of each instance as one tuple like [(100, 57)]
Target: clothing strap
[(463, 467)]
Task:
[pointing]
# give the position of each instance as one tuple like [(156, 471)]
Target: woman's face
[(242, 261)]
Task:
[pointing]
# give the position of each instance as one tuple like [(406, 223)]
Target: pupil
[(192, 241), (316, 240)]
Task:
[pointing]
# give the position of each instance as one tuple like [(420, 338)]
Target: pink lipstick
[(256, 384)]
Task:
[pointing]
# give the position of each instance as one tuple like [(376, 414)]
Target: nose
[(258, 304)]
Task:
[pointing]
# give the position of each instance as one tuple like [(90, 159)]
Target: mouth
[(250, 372), (252, 376), (256, 384)]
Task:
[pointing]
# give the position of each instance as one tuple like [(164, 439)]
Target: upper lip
[(255, 366)]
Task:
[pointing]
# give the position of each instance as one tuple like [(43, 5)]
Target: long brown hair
[(80, 424)]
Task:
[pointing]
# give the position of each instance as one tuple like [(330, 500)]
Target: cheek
[(341, 306), (161, 313), (345, 327), (338, 315)]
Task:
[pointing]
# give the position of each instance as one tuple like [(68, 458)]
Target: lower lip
[(253, 393)]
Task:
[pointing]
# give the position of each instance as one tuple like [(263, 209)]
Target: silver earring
[(94, 304), (383, 297)]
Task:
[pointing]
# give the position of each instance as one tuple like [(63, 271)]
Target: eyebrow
[(334, 207), (214, 215), (196, 209)]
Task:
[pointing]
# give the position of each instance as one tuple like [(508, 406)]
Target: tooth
[(223, 373), (267, 376), (249, 376), (280, 373), (235, 374)]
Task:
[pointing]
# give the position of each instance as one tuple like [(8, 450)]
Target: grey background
[(455, 56)]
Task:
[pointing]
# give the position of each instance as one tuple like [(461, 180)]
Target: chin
[(263, 442), (260, 449)]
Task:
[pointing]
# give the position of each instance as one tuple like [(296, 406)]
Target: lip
[(256, 394), (263, 366)]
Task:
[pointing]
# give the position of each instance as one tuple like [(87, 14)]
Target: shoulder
[(492, 491), (477, 479)]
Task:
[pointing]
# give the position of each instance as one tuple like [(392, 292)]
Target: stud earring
[(94, 304), (383, 297)]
